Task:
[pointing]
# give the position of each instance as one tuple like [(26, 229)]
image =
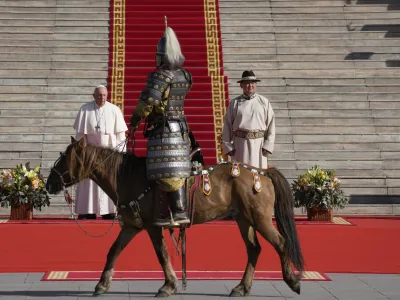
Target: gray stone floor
[(343, 286)]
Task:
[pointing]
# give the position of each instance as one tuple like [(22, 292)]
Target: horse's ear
[(72, 140), (81, 142)]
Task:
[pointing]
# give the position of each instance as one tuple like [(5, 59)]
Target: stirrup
[(167, 222)]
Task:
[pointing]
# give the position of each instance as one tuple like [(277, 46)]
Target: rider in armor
[(161, 105)]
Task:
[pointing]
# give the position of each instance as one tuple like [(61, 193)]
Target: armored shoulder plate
[(180, 86), (156, 84), (188, 77)]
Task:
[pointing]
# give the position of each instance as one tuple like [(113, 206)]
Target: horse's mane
[(106, 161)]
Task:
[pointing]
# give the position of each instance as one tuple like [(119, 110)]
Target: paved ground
[(343, 286)]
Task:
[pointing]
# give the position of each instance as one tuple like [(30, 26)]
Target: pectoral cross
[(97, 128)]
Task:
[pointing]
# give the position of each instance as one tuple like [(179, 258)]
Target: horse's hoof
[(236, 294), (99, 291), (162, 294), (296, 288)]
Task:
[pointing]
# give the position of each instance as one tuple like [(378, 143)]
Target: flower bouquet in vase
[(23, 189), (319, 192)]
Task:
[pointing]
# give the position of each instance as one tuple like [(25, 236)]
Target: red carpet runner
[(136, 27), (367, 246), (159, 275)]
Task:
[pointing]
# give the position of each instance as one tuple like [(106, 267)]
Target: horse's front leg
[(170, 284), (125, 236)]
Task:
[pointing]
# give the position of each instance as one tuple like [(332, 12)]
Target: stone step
[(304, 34), (54, 16), (322, 82), (71, 44), (250, 24), (356, 113), (30, 97), (76, 82), (326, 96), (245, 28), (320, 3), (38, 30), (345, 51), (68, 91), (346, 28), (43, 65), (317, 73), (343, 81), (55, 36), (338, 155), (45, 3), (253, 9), (339, 16), (345, 138), (294, 65), (340, 146), (66, 23), (55, 50), (326, 121), (52, 9), (315, 9), (331, 22), (248, 36), (269, 47), (53, 73), (17, 57), (244, 4), (340, 130)]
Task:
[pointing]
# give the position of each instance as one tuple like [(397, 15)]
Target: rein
[(68, 197)]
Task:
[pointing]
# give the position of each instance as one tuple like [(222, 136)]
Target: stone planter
[(318, 214)]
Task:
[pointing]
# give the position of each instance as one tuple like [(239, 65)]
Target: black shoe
[(108, 217), (87, 217)]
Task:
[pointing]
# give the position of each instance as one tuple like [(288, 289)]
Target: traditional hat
[(248, 76)]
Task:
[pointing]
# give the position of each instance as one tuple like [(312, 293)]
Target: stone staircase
[(331, 71), (52, 55)]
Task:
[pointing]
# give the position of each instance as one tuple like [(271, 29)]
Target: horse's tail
[(284, 216)]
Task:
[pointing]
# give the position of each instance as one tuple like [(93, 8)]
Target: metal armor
[(168, 148)]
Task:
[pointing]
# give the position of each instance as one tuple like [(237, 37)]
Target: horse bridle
[(61, 175)]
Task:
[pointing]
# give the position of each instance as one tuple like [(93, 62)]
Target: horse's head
[(60, 176)]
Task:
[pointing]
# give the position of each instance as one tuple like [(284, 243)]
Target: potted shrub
[(23, 189), (319, 192)]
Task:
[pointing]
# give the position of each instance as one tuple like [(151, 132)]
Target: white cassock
[(104, 126)]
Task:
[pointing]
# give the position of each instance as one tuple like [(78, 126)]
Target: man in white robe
[(248, 135), (100, 123)]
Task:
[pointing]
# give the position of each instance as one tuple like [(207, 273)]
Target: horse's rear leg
[(268, 231), (170, 284), (125, 236), (253, 251)]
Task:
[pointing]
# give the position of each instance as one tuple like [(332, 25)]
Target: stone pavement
[(18, 286)]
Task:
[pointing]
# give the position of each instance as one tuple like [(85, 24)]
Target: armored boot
[(178, 202)]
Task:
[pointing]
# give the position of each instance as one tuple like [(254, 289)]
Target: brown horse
[(123, 178)]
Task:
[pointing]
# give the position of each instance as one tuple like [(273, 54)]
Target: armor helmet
[(168, 50)]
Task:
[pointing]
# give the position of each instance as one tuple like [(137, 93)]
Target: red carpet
[(66, 220), (159, 275), (136, 27), (370, 246)]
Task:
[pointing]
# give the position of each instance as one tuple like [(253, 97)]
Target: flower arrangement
[(23, 185), (318, 188)]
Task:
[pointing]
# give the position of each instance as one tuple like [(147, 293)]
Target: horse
[(122, 176)]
